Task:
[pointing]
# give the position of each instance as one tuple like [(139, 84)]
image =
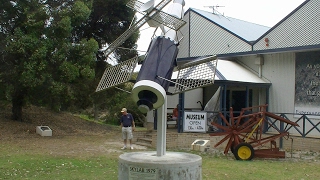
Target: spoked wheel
[(232, 147), (243, 151), (233, 131)]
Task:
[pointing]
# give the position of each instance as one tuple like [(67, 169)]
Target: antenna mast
[(214, 9)]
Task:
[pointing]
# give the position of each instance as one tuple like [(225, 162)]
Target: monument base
[(171, 166)]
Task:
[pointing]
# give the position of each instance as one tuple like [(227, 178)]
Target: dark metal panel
[(160, 61)]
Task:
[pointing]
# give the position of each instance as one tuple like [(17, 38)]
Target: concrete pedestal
[(44, 130), (149, 166)]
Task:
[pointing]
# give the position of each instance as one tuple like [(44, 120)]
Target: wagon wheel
[(232, 132), (232, 137), (235, 130), (243, 151), (233, 145)]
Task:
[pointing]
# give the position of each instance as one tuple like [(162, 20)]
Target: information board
[(307, 85), (194, 121)]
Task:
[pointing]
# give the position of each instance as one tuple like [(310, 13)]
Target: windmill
[(151, 15), (150, 90)]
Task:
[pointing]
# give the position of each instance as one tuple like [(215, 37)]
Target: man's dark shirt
[(126, 120)]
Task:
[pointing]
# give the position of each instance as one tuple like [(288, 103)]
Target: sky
[(263, 12)]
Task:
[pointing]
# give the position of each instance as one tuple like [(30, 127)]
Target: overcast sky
[(263, 12)]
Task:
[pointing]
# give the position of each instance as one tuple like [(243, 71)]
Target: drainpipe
[(260, 71), (259, 61)]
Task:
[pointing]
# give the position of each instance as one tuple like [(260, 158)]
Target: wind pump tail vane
[(150, 90)]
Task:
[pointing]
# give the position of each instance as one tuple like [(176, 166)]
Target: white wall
[(191, 99), (280, 70)]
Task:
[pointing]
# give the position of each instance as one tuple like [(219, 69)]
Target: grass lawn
[(20, 162), (221, 167), (46, 167), (85, 150)]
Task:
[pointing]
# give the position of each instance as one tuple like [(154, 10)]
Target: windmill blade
[(117, 74), (134, 4), (195, 74), (124, 36), (168, 20), (159, 16)]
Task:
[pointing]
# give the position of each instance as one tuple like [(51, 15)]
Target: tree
[(40, 58), (108, 20), (49, 50)]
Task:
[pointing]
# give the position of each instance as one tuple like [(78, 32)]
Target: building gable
[(207, 34), (299, 28)]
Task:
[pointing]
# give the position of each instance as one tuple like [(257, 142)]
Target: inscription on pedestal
[(142, 173)]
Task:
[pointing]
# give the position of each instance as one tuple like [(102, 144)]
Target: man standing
[(127, 126)]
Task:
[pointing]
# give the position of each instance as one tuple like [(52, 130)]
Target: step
[(145, 140), (143, 144), (149, 136)]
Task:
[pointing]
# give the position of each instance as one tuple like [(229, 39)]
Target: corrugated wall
[(249, 63), (207, 38), (280, 70), (300, 29), (184, 44)]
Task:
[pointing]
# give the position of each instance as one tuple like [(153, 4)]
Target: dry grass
[(71, 135)]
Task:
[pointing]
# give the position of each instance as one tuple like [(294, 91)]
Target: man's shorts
[(127, 133)]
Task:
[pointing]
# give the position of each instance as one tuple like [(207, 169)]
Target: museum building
[(278, 66)]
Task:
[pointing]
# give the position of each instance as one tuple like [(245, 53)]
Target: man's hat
[(124, 110)]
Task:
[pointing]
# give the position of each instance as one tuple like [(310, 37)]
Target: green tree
[(40, 57), (49, 49), (108, 20), (120, 99)]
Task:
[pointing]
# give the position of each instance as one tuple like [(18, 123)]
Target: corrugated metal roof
[(233, 71), (226, 70), (245, 30)]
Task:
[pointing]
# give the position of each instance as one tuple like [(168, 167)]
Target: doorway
[(237, 99)]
